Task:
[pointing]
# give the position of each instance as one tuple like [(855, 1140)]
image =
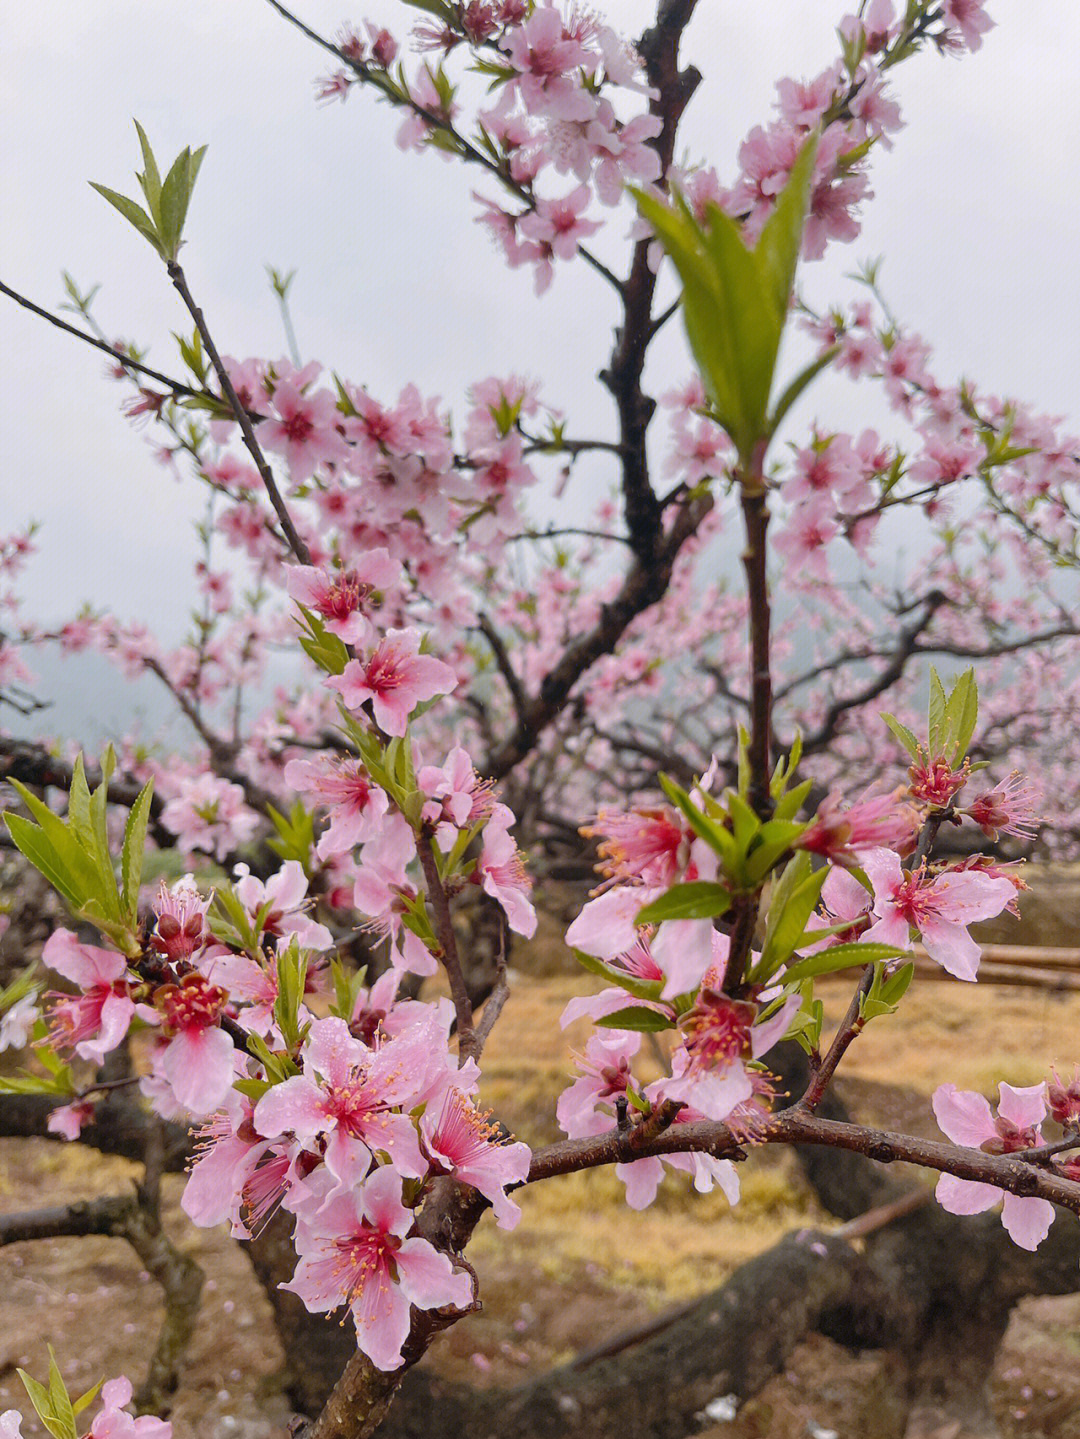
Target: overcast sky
[(977, 212)]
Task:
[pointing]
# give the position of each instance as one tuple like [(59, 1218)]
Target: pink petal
[(1028, 1221), (429, 1279), (199, 1065), (952, 947), (381, 1314), (963, 1115), (684, 951), (642, 1179), (380, 1200), (296, 1107), (1026, 1108), (965, 1196), (606, 926)]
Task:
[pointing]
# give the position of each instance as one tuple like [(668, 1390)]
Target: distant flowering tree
[(380, 540)]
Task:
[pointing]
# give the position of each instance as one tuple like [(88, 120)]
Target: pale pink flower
[(395, 678), (588, 1106), (940, 909), (502, 872), (347, 1096), (967, 1119), (67, 1120), (354, 1251), (546, 59), (343, 597), (209, 814), (970, 19), (305, 429), (560, 224), (114, 1422), (344, 787), (94, 1022), (199, 1059), (286, 895), (458, 1140)]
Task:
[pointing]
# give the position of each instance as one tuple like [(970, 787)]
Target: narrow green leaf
[(174, 201), (131, 212), (639, 988), (838, 956), (637, 1018), (789, 911), (58, 1396), (150, 180), (697, 899), (85, 1400), (134, 850), (777, 250), (744, 822), (903, 734), (30, 841)]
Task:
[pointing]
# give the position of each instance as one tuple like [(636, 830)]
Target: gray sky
[(977, 212)]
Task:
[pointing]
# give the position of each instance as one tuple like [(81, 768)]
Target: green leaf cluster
[(295, 833), (735, 300), (951, 721), (73, 853), (52, 1403), (167, 201)]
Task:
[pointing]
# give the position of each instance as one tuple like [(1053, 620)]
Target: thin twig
[(247, 430), (451, 960), (176, 386)]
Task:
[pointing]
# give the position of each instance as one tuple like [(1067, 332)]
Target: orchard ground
[(581, 1267)]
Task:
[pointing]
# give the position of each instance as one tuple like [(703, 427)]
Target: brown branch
[(906, 647), (645, 584), (502, 660), (755, 508), (247, 430)]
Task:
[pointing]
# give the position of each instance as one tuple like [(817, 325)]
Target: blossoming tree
[(736, 868)]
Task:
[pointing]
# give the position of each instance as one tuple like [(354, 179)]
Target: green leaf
[(837, 957), (961, 714), (698, 899), (938, 703), (637, 1018), (131, 212), (789, 805), (58, 1425), (639, 988), (150, 179), (793, 902), (744, 822), (85, 1400), (174, 202), (903, 734), (58, 1395), (134, 849), (30, 841), (776, 837), (777, 250)]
